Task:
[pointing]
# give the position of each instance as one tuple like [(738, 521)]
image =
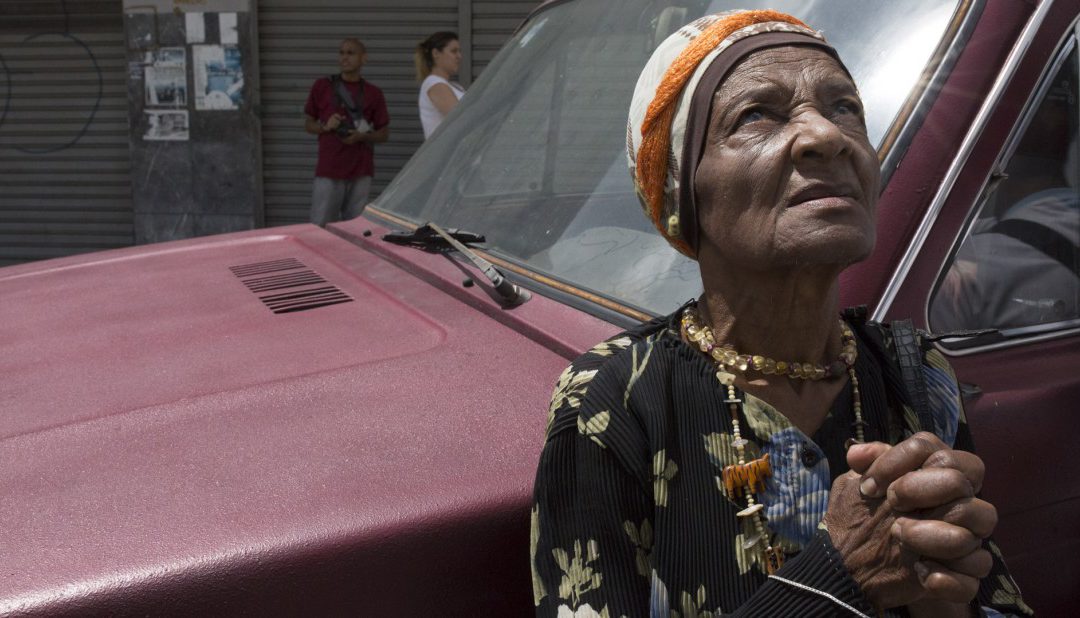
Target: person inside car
[(1020, 266), (758, 452)]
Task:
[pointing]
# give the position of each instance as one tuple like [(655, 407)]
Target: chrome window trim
[(1064, 47), (898, 138), (1074, 328), (997, 90)]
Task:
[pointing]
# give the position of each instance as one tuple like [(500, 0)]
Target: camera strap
[(344, 97)]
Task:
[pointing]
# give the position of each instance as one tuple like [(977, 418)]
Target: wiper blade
[(431, 237), (426, 238)]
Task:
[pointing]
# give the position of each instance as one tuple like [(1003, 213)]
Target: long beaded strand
[(857, 405), (754, 473)]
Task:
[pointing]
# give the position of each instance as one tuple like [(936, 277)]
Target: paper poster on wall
[(166, 77), (227, 28), (167, 125), (219, 77), (195, 27)]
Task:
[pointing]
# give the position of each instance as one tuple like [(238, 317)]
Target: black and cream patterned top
[(630, 517)]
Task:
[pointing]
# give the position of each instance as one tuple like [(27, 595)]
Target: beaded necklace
[(746, 479)]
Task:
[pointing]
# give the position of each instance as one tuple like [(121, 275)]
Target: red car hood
[(169, 442)]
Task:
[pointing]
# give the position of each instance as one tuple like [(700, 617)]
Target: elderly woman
[(754, 453)]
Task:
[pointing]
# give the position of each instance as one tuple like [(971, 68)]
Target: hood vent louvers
[(280, 282), (291, 283), (261, 268)]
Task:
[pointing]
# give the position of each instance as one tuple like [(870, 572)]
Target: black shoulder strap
[(901, 364), (344, 97), (1043, 238), (909, 357), (874, 335)]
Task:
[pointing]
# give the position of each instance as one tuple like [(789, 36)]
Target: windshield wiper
[(426, 238), (431, 237)]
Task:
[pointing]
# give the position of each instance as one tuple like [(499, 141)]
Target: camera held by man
[(343, 125)]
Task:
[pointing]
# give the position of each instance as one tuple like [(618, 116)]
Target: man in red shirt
[(349, 115)]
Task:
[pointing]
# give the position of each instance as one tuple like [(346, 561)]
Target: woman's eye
[(848, 107), (750, 115)]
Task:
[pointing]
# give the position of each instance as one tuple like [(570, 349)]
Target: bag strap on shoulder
[(901, 363), (909, 357), (344, 97)]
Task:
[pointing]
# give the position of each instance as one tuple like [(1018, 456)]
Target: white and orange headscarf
[(662, 155)]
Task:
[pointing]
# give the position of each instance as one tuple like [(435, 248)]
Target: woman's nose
[(817, 138)]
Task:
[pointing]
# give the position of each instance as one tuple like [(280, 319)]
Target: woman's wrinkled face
[(788, 177)]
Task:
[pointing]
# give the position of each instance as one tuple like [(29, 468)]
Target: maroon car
[(301, 420)]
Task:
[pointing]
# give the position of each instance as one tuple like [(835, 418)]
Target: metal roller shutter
[(493, 22), (64, 158), (298, 41)]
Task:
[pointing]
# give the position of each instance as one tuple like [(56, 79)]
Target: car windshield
[(534, 157)]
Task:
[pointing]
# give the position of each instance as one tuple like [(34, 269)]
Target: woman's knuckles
[(861, 456), (929, 488), (921, 446), (970, 464), (906, 457), (948, 585), (935, 539), (976, 564), (978, 516)]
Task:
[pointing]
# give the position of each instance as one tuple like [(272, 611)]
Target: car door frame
[(1022, 388)]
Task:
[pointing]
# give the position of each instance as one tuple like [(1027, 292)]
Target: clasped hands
[(908, 524)]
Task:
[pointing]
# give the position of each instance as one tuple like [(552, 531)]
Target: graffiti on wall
[(9, 85)]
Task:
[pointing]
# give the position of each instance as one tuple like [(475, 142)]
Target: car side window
[(1017, 268)]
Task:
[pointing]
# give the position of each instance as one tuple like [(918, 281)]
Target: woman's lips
[(823, 195)]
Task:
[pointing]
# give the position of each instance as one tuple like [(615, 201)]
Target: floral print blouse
[(630, 515)]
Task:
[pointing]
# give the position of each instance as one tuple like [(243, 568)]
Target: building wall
[(64, 159), (67, 144)]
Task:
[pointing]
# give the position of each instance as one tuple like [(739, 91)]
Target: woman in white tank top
[(437, 58)]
